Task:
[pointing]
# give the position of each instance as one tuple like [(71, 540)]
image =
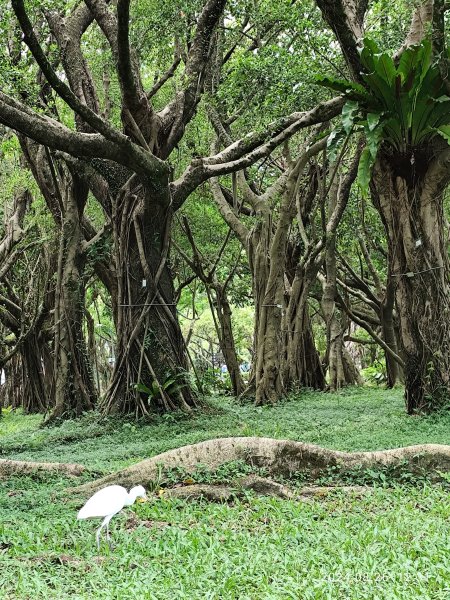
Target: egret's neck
[(130, 499)]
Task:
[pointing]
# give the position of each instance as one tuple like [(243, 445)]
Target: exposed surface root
[(279, 457), (259, 486), (10, 468), (228, 492)]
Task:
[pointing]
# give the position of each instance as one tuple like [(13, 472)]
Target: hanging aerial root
[(279, 457), (9, 468)]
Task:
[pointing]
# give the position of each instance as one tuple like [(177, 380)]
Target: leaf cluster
[(402, 105)]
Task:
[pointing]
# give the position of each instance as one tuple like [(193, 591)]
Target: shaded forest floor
[(393, 542)]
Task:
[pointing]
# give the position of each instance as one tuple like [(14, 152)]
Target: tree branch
[(241, 231), (106, 21), (249, 149), (362, 323), (162, 80), (124, 64), (422, 16), (181, 110), (53, 134), (68, 33), (345, 18), (133, 94), (438, 175), (14, 231), (344, 193), (93, 119)]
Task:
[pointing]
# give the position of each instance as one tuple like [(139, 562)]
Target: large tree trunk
[(268, 291), (286, 355), (301, 365), (25, 385), (74, 390), (150, 349), (341, 368), (410, 202), (69, 380), (36, 396), (284, 341), (11, 390)]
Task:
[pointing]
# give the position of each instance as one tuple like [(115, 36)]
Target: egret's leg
[(97, 535), (108, 537)]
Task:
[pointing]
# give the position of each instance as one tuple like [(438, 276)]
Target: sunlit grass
[(390, 543)]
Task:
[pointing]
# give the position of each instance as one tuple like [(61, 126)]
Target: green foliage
[(403, 106), (271, 80), (344, 86), (375, 373), (205, 334), (226, 473), (386, 476), (212, 380)]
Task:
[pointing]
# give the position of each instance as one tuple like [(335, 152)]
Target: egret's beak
[(142, 499)]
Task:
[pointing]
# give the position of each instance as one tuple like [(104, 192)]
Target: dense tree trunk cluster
[(284, 195)]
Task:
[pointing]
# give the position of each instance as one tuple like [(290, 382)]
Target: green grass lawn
[(392, 543)]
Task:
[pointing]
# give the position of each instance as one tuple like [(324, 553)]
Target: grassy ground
[(392, 543)]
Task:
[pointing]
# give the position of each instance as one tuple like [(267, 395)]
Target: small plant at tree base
[(171, 385)]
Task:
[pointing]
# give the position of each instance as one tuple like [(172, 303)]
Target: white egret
[(107, 503)]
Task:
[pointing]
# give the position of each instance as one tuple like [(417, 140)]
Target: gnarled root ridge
[(10, 468), (279, 457), (260, 486)]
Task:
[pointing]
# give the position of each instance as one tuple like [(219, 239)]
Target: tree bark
[(11, 390), (226, 340), (341, 369), (286, 355), (74, 390), (26, 386), (393, 369), (150, 349), (334, 330), (302, 365), (283, 341), (284, 351), (15, 468), (35, 391), (409, 198)]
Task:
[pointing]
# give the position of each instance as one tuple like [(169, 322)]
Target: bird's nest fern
[(401, 104)]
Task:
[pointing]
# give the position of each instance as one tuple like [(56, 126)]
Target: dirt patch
[(133, 522)]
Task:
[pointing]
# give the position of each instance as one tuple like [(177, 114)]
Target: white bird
[(107, 503)]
